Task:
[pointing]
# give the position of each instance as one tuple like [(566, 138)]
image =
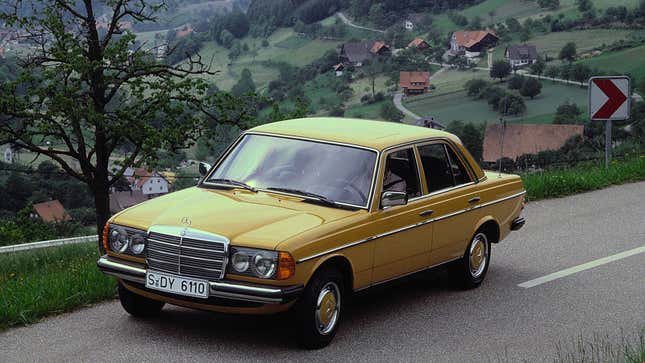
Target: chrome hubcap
[(327, 308), (478, 255)]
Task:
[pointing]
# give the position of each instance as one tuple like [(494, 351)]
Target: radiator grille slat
[(186, 256)]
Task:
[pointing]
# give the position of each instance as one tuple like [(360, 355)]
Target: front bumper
[(224, 289)]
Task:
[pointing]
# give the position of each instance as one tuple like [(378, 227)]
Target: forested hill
[(267, 15)]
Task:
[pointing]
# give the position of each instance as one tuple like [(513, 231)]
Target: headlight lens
[(261, 263), (264, 264), (118, 240), (240, 261), (127, 240)]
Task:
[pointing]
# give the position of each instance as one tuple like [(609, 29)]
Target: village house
[(184, 30), (414, 82), (409, 25), (356, 53), (150, 184), (51, 211), (125, 199), (472, 43), (520, 139), (418, 43), (520, 55), (339, 68)]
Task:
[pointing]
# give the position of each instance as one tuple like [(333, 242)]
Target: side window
[(458, 169), (436, 167), (401, 174)]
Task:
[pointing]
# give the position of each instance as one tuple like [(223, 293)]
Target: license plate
[(177, 284)]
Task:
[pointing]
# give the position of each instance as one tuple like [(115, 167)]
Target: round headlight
[(264, 266), (137, 244), (118, 240), (240, 261)]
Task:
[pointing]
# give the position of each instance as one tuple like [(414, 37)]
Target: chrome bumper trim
[(130, 271)]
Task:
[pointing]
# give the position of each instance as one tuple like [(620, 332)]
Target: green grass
[(585, 177), (37, 283), (585, 40), (456, 105), (371, 112), (625, 61)]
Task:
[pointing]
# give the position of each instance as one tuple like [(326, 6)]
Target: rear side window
[(436, 167), (458, 169), (442, 167)]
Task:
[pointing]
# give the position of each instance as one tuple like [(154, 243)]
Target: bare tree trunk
[(102, 206)]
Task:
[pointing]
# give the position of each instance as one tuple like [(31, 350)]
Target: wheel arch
[(490, 225), (340, 262)]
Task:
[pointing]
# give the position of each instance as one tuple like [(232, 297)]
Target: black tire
[(467, 273), (311, 313), (137, 305)]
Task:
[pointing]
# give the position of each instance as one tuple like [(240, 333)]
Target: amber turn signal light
[(286, 266), (106, 232)]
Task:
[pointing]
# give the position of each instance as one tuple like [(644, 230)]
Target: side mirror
[(391, 199), (204, 168)]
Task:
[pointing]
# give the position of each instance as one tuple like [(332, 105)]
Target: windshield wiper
[(234, 183), (318, 197)]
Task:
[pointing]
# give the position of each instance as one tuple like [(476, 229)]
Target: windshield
[(340, 173)]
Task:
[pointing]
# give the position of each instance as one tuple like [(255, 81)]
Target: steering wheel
[(344, 185)]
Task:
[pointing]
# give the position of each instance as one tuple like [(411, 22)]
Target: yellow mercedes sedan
[(299, 214)]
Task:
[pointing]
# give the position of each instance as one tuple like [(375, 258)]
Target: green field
[(630, 61), (458, 106), (284, 46)]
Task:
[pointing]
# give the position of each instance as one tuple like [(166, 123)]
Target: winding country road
[(348, 22), (576, 269)]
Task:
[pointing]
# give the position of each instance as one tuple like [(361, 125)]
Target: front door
[(403, 244)]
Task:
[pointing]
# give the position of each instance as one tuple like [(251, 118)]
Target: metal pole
[(607, 144)]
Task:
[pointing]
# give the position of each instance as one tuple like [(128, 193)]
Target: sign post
[(609, 100)]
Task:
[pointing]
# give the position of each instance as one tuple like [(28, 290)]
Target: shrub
[(516, 82), (475, 87), (531, 88)]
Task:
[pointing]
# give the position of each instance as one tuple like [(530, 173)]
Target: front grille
[(187, 252)]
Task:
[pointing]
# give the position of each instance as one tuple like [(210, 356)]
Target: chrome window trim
[(405, 228), (232, 146)]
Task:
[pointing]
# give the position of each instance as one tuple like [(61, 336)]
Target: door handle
[(426, 213), (474, 200)]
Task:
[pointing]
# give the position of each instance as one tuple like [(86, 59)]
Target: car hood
[(259, 220)]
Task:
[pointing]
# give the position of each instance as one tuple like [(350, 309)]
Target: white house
[(521, 55), (409, 25), (8, 155), (153, 184)]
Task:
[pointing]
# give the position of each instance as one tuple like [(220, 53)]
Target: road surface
[(345, 20), (421, 318)]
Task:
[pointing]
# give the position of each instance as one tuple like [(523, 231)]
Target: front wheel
[(137, 305), (471, 269), (318, 309)]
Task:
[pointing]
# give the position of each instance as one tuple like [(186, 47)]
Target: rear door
[(451, 192)]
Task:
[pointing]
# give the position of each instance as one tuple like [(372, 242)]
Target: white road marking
[(584, 266)]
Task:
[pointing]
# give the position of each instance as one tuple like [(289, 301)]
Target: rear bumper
[(517, 223), (222, 289)]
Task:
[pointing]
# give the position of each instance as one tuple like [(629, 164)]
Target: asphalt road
[(421, 318)]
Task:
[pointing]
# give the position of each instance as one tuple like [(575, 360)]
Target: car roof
[(368, 133)]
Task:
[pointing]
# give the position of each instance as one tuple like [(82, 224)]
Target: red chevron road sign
[(609, 98)]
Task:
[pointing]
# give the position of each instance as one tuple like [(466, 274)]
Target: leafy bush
[(516, 82)]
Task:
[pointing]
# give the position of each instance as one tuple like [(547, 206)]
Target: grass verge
[(560, 183), (37, 283)]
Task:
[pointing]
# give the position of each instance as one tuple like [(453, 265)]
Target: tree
[(549, 4), (538, 67), (391, 113), (567, 113), (474, 87), (580, 72), (568, 52), (92, 95), (525, 34), (515, 82), (245, 84), (511, 105), (584, 5), (500, 69), (531, 88), (552, 71), (470, 135)]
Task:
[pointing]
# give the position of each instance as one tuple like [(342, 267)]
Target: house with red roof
[(414, 82), (472, 43), (418, 43), (51, 211)]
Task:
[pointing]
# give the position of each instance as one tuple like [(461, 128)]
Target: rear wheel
[(471, 269), (137, 305), (318, 309)]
